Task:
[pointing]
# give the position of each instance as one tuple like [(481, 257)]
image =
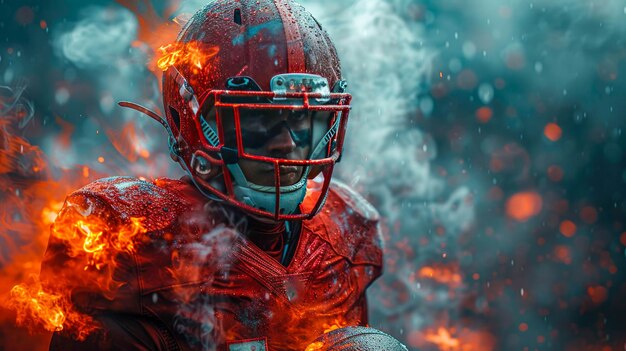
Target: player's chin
[(290, 177)]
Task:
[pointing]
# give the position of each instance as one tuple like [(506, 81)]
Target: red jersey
[(159, 266)]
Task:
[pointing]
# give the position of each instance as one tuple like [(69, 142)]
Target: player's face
[(284, 134)]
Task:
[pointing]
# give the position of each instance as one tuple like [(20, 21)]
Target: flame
[(92, 238), (318, 345), (191, 53), (49, 213), (32, 198), (130, 141), (33, 192), (448, 275), (157, 36), (86, 236), (336, 324), (453, 339), (42, 306), (443, 339), (38, 308)]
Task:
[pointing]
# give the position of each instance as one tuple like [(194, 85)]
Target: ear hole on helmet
[(238, 16), (204, 165), (176, 117)]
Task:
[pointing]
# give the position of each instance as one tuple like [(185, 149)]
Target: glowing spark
[(552, 131)]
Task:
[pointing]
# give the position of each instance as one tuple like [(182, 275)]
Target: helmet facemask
[(277, 149)]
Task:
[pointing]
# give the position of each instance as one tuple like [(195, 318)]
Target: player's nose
[(281, 144)]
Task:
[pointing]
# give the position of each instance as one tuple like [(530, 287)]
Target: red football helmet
[(253, 96)]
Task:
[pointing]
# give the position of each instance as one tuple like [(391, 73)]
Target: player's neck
[(260, 226)]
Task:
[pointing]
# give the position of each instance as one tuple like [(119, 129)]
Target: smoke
[(108, 64), (199, 262), (13, 104), (387, 61), (101, 37)]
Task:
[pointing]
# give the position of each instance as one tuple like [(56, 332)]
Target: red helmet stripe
[(295, 46)]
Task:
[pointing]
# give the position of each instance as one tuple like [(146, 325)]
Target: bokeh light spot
[(484, 114), (555, 173), (552, 131), (568, 228), (524, 205), (589, 214)]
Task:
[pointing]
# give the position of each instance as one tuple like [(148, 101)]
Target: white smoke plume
[(100, 38), (100, 46), (388, 158)]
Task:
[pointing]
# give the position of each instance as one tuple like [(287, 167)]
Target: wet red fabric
[(194, 281)]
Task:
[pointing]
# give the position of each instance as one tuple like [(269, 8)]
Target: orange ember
[(555, 173), (443, 339), (598, 294), (567, 228), (448, 275), (563, 254), (524, 205), (191, 53), (484, 114), (589, 214), (552, 131), (452, 339)]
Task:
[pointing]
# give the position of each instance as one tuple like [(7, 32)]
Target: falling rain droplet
[(485, 93), (426, 105)]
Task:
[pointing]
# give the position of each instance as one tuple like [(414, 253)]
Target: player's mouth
[(289, 175)]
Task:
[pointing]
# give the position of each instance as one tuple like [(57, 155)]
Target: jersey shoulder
[(353, 201), (350, 225), (97, 234), (158, 202)]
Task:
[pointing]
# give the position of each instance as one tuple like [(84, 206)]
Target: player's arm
[(89, 264)]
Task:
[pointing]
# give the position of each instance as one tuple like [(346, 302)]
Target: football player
[(256, 248)]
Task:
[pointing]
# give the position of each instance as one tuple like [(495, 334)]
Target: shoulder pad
[(350, 224), (354, 200), (160, 202)]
